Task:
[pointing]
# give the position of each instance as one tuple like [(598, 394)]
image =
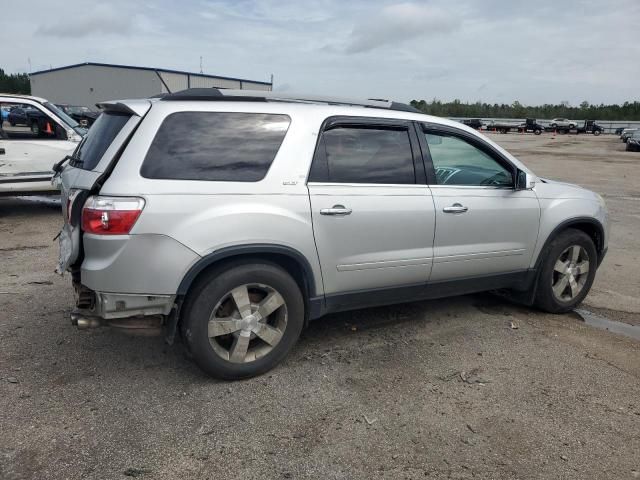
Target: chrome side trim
[(477, 256)]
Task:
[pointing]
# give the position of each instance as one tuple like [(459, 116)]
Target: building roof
[(113, 65)]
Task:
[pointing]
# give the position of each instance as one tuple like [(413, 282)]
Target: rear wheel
[(242, 321), (567, 272)]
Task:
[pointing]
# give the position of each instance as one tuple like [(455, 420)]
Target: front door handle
[(455, 208), (336, 210)]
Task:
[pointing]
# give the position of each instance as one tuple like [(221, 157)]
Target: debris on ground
[(471, 377), (369, 422), (136, 472)]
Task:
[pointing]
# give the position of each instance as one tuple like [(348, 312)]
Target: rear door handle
[(336, 210), (455, 208)]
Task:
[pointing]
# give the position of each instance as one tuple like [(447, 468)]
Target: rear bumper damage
[(120, 310)]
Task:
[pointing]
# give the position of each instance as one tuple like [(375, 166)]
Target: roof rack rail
[(221, 94)]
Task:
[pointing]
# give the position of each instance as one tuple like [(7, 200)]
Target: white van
[(34, 135)]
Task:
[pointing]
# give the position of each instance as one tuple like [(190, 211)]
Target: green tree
[(14, 83), (628, 111)]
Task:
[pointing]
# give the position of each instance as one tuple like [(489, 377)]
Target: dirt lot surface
[(468, 387)]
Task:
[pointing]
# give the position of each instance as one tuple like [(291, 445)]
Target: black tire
[(553, 125), (35, 128), (212, 289), (537, 132), (597, 132), (545, 298)]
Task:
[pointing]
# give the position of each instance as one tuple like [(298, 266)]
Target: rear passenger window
[(364, 155), (227, 147)]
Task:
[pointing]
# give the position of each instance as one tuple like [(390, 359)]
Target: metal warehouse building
[(89, 83)]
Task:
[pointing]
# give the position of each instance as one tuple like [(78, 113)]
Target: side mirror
[(525, 181)]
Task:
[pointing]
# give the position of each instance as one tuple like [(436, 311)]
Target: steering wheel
[(497, 179)]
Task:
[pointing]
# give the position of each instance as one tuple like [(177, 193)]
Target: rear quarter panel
[(207, 216)]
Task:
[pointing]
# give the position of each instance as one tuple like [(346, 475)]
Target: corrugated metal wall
[(89, 84), (173, 81), (179, 81)]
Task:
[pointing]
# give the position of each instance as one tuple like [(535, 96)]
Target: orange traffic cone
[(48, 130)]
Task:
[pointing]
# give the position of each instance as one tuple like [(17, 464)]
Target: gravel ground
[(467, 387)]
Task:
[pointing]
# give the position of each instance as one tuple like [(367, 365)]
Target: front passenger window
[(457, 162)]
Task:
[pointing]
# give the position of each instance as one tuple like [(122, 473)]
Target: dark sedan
[(83, 115), (633, 142), (18, 116)]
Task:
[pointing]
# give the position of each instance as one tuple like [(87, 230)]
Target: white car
[(29, 148), (562, 122)]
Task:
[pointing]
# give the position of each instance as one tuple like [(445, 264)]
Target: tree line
[(14, 83), (586, 111)]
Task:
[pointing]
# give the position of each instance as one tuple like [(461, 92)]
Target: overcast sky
[(536, 51)]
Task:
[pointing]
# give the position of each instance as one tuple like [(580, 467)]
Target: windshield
[(66, 119), (97, 140)]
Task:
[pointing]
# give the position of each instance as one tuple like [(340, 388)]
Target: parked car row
[(561, 125)]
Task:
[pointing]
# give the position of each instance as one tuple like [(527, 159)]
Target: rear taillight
[(111, 215)]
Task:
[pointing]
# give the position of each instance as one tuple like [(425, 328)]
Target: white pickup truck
[(34, 135)]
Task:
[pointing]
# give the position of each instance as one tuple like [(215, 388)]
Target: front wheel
[(537, 132), (567, 272), (242, 321), (596, 132)]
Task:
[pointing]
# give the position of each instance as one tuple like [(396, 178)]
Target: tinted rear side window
[(214, 146), (98, 139), (364, 155)]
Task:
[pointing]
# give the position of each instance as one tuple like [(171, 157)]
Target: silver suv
[(236, 217)]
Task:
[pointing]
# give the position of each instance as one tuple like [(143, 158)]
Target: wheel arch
[(288, 258), (590, 226)]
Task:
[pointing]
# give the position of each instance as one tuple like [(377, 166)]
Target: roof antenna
[(200, 63)]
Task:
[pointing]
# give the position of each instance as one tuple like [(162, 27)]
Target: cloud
[(402, 49), (100, 21), (398, 23)]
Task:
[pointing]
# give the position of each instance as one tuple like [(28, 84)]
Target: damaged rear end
[(96, 230)]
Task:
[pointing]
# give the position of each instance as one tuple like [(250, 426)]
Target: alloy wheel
[(570, 273), (247, 323)]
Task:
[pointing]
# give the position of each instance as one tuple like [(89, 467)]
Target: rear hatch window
[(97, 141)]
